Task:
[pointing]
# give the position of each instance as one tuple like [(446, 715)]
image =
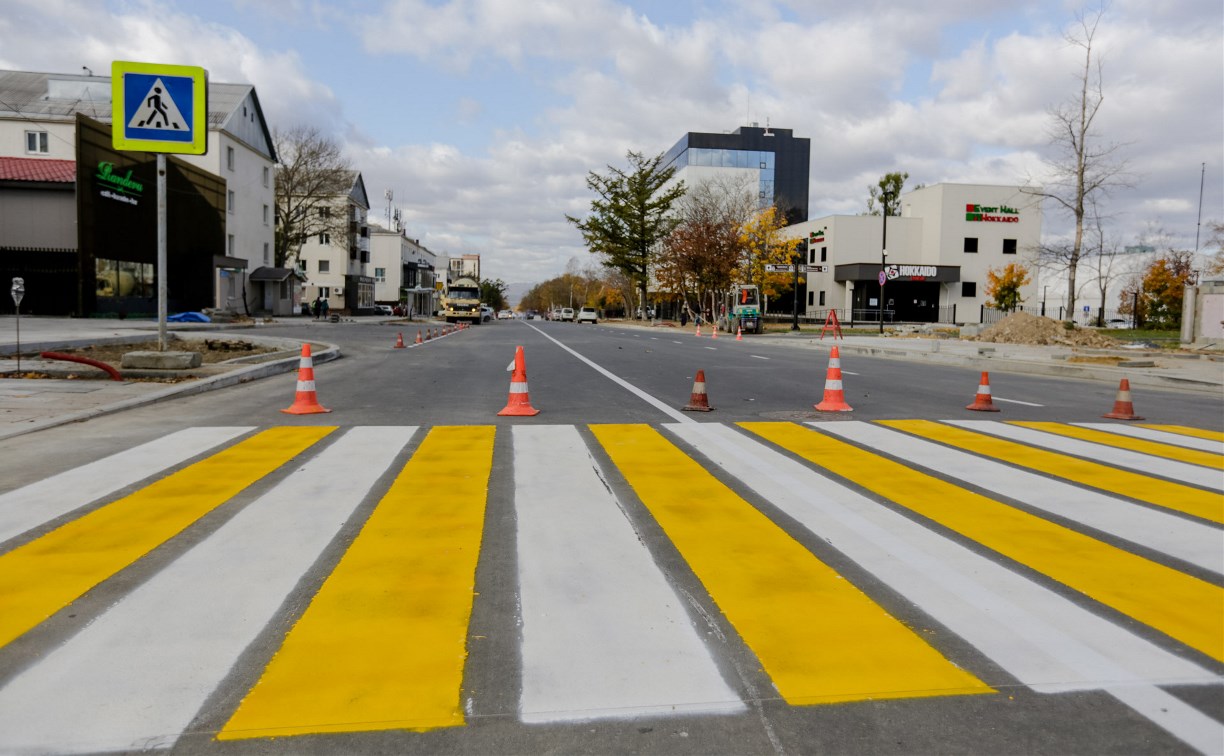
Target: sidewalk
[(28, 405)]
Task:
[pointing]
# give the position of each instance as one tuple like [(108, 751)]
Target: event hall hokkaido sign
[(1000, 214)]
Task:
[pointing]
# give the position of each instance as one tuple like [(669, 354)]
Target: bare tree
[(1102, 258), (701, 254), (311, 175), (1084, 169)]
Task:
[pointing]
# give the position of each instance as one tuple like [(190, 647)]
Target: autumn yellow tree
[(764, 244), (1004, 286), (1164, 284)]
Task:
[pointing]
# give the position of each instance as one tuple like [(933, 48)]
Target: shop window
[(968, 288), (971, 245), (1009, 246), (36, 143), (120, 278)]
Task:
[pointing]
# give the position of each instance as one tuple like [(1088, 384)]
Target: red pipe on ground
[(114, 374)]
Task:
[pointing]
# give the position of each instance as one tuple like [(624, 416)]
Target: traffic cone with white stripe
[(699, 329), (982, 401), (518, 404), (1123, 408), (698, 400), (399, 341), (834, 396), (739, 333), (305, 402), (419, 340)]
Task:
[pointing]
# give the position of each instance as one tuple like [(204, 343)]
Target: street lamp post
[(887, 197), (797, 258)]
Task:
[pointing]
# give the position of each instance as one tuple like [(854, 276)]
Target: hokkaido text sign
[(992, 214)]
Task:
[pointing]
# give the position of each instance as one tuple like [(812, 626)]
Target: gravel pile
[(1023, 328)]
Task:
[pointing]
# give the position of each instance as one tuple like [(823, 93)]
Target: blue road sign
[(159, 108)]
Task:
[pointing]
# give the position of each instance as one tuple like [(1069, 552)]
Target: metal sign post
[(18, 292), (159, 108)]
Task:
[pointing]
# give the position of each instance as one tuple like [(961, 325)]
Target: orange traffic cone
[(698, 401), (399, 341), (714, 328), (698, 329), (834, 397), (1123, 408), (419, 341), (982, 401), (519, 401), (739, 333), (305, 402)]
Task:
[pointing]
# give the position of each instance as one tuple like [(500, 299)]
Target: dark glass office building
[(780, 159)]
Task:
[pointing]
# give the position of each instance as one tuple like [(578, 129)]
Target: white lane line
[(1178, 537), (1144, 463), (1016, 401), (674, 414), (604, 635), (1164, 437), (1041, 638), (847, 372), (37, 503), (759, 357), (136, 677), (712, 349), (677, 342)]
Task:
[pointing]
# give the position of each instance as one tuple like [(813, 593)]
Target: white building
[(938, 253), (38, 121), (404, 272), (337, 268)]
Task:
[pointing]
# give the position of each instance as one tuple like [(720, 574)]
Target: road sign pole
[(161, 252)]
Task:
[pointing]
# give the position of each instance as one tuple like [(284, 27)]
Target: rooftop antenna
[(1199, 227), (390, 195), (87, 71), (767, 131)]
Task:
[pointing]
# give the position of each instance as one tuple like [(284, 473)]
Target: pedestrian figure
[(159, 109), (684, 317), (325, 306), (315, 308)]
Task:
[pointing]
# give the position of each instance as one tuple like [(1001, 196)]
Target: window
[(266, 215), (266, 173), (229, 245), (229, 201), (811, 294), (380, 274), (968, 288), (325, 238), (1009, 246), (824, 254), (325, 266), (266, 259), (324, 212), (970, 244), (36, 143), (822, 299), (811, 257), (229, 158)]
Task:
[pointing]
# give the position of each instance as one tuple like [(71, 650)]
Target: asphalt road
[(637, 579)]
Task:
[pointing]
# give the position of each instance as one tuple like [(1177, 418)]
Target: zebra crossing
[(1072, 557)]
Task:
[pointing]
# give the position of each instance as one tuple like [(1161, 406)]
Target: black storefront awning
[(275, 275), (897, 272)]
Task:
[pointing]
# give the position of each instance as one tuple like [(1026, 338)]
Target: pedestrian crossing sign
[(159, 108)]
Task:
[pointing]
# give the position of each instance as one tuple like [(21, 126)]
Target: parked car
[(588, 315), (486, 313), (567, 314), (384, 310)]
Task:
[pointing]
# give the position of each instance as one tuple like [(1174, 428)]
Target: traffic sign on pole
[(159, 108)]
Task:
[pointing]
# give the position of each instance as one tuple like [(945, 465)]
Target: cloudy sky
[(484, 116)]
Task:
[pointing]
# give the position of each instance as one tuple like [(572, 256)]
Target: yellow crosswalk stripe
[(1177, 604), (818, 637), (41, 577), (1125, 483), (383, 643), (1183, 430), (1143, 446)]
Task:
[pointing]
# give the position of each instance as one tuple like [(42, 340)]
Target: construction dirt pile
[(1023, 328)]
